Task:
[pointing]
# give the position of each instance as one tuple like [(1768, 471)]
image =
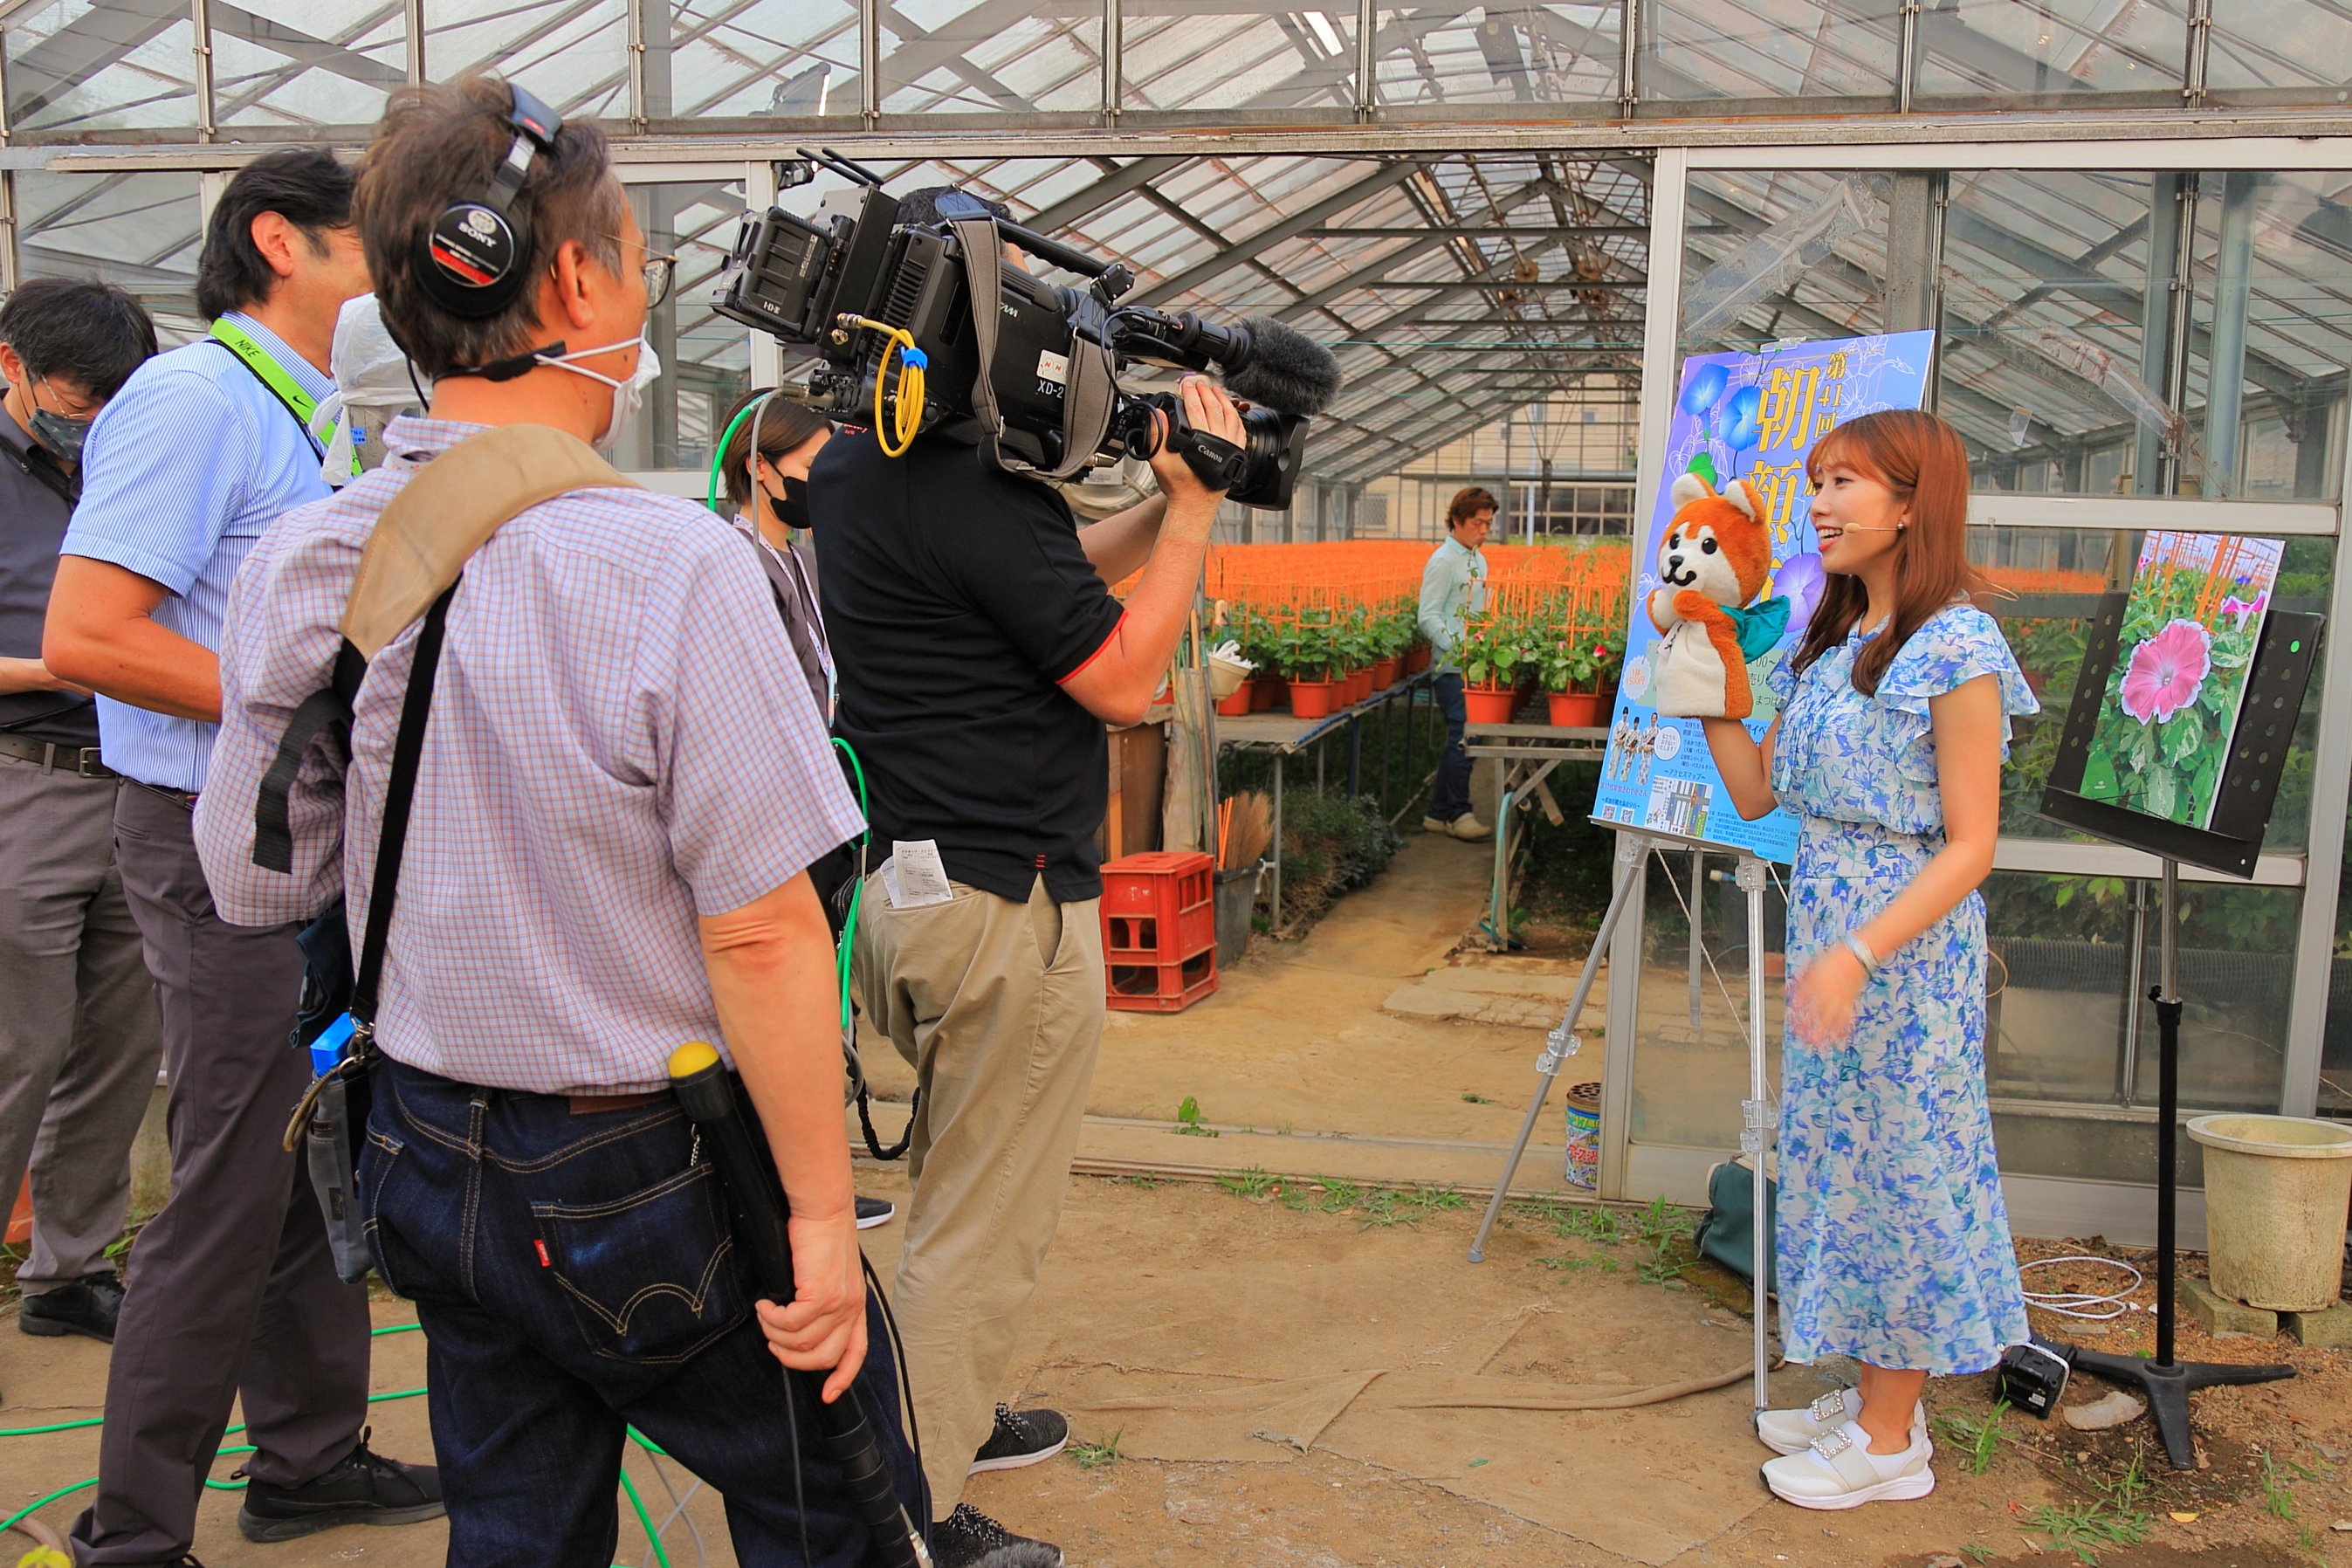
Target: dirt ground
[(1272, 1371)]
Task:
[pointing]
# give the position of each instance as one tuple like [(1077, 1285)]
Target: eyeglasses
[(660, 272)]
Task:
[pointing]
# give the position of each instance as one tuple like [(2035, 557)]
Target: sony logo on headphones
[(480, 222)]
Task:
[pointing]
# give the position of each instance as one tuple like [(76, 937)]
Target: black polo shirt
[(957, 599), (34, 513)]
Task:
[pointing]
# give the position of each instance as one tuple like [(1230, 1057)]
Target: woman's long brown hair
[(1922, 460)]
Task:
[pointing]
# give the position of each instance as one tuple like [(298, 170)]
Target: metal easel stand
[(1756, 1119), (2167, 1383), (1562, 1042)]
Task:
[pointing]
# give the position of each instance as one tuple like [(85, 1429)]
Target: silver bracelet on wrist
[(1861, 950)]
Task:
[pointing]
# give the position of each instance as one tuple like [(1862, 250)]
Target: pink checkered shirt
[(621, 740)]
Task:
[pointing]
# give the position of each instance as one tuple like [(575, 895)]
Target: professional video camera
[(862, 290)]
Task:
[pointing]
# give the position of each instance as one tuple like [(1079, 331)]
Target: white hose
[(2080, 1303)]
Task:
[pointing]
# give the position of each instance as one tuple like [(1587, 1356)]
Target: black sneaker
[(365, 1489), (1022, 1437), (969, 1539), (88, 1306), (872, 1212)]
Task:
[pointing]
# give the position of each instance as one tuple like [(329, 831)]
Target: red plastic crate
[(1162, 987), (1158, 908)]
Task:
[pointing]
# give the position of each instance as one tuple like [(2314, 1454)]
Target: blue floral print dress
[(1893, 1240)]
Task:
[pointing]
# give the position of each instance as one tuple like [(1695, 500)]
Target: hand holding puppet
[(1714, 557)]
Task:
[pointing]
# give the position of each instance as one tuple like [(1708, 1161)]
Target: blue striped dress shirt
[(185, 466)]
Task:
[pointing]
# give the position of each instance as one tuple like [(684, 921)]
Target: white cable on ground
[(2078, 1303)]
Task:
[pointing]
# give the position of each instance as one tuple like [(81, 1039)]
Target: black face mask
[(791, 507)]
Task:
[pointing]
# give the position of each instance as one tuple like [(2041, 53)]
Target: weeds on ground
[(2087, 1528), (1393, 1206), (1661, 1268), (1476, 1099), (2277, 1501), (1977, 1552), (1600, 1261), (1253, 1183), (1146, 1182), (1092, 1456), (1188, 1119), (1978, 1440)]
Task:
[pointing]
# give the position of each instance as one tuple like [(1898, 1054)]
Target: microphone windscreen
[(1286, 372)]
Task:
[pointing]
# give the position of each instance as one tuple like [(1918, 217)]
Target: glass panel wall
[(2280, 51), (2271, 334), (299, 67), (573, 53), (791, 58), (1690, 1057), (2054, 286), (1556, 54), (2336, 1055), (1694, 50), (1236, 53), (79, 70), (1036, 58), (1792, 254), (706, 359), (136, 230), (1995, 53)]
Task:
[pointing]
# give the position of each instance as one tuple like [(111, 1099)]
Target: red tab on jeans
[(544, 1261)]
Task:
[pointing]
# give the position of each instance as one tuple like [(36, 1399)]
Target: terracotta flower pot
[(1489, 705), (1359, 685), (1417, 659), (1575, 710), (1384, 673), (1314, 698), (1239, 703), (1266, 692)]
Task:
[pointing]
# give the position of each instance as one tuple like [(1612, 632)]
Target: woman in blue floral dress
[(1894, 1244)]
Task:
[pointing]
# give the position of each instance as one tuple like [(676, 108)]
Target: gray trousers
[(232, 1288), (78, 1030)]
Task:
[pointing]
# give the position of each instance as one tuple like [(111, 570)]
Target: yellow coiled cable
[(912, 363)]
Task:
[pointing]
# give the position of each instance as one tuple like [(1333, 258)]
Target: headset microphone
[(476, 258)]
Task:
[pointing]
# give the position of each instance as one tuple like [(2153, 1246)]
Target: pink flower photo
[(2167, 671)]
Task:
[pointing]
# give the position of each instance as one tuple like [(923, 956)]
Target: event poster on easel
[(1755, 416)]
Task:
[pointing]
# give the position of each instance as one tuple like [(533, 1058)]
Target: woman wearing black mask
[(767, 482)]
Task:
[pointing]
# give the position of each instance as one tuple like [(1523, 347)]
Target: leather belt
[(592, 1104), (82, 762)]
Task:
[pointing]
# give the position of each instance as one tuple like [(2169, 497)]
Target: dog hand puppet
[(1715, 557)]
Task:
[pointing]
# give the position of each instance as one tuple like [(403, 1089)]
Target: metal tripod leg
[(1756, 1123), (1562, 1042)]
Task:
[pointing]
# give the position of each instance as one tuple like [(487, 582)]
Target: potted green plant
[(1493, 655), (1574, 671), (1309, 658)]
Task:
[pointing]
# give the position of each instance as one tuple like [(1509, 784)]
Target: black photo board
[(2249, 782)]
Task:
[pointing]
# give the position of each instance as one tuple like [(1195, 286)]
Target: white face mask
[(626, 394)]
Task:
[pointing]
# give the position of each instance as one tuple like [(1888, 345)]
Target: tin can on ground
[(1584, 1136)]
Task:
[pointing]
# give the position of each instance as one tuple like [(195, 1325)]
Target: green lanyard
[(271, 374)]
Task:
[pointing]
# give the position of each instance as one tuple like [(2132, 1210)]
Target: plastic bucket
[(2276, 1190), (1584, 1136)]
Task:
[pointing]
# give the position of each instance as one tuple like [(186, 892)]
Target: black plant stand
[(2167, 1383)]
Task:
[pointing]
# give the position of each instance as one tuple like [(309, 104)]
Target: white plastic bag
[(372, 386)]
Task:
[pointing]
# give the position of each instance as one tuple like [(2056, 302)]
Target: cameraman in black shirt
[(980, 654), (79, 1036)]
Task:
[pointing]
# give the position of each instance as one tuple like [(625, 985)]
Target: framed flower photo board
[(2192, 622), (2186, 703)]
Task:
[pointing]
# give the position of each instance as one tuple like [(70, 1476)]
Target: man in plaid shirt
[(623, 783)]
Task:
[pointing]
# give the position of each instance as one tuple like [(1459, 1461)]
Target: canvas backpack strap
[(447, 512), (1089, 395)]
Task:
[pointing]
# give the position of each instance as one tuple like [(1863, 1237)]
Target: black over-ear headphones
[(476, 258)]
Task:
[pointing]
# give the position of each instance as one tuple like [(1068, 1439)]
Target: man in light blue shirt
[(1453, 585), (233, 1289)]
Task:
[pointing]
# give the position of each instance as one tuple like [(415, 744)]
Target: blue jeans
[(1450, 797), (574, 1275)]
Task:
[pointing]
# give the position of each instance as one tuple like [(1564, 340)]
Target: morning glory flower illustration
[(2167, 671), (2242, 608)]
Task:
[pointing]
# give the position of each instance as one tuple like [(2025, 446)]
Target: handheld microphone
[(699, 1080)]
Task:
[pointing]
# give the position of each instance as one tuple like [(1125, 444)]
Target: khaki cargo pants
[(999, 1007)]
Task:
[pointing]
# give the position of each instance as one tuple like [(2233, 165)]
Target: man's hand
[(772, 974), (1208, 408), (824, 1329), (31, 675)]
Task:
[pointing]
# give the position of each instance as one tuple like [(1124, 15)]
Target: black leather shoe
[(969, 1539), (88, 1306), (365, 1489)]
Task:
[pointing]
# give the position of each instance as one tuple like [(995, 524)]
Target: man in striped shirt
[(232, 1289)]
